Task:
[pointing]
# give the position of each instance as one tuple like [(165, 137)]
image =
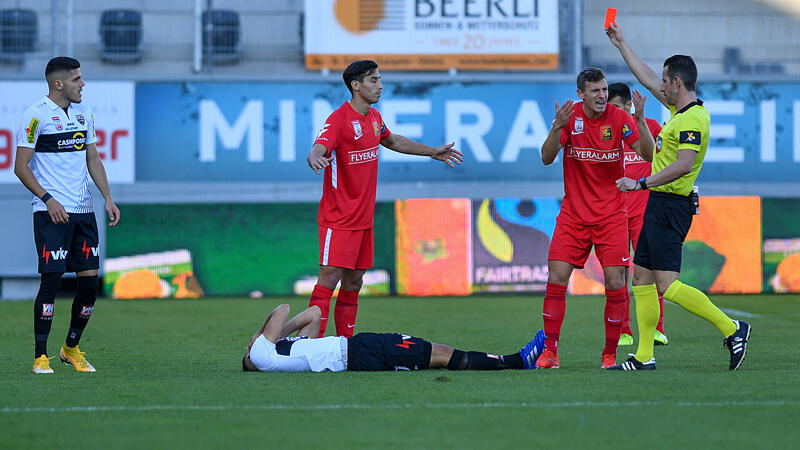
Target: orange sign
[(728, 230), (433, 243), (431, 35)]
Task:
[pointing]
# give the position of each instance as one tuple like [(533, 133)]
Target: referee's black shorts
[(387, 351), (667, 220)]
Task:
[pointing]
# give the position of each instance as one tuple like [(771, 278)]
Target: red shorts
[(572, 242), (635, 228), (349, 249)]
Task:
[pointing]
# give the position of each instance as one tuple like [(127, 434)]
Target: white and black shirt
[(301, 355), (59, 138)]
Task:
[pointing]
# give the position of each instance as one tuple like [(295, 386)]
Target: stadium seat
[(732, 64), (121, 36), (606, 66), (731, 60), (19, 31), (221, 36)]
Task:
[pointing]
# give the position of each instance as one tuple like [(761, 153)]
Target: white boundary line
[(145, 408), (736, 312)]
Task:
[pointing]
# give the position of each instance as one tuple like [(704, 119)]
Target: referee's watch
[(643, 183)]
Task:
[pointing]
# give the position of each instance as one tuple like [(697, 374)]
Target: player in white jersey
[(56, 154), (273, 349)]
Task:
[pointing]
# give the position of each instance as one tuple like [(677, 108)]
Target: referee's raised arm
[(642, 71)]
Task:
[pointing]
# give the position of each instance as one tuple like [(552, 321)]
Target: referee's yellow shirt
[(687, 129)]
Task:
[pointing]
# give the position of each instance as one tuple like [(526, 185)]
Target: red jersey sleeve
[(654, 126), (329, 134), (630, 131)]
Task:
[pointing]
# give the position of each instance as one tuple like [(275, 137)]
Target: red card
[(611, 16)]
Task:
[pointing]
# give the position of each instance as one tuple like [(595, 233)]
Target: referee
[(56, 154), (680, 149)]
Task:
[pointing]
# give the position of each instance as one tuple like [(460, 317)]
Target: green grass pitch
[(169, 377)]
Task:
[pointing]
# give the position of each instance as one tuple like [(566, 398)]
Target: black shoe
[(633, 364), (737, 343)]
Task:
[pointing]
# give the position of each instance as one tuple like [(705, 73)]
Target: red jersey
[(593, 162), (635, 168), (350, 181)]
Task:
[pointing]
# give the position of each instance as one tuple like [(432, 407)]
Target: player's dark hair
[(357, 70), (61, 64), (244, 364), (683, 67), (620, 90), (591, 74)]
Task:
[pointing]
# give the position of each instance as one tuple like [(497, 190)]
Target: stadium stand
[(121, 36), (221, 36), (766, 38), (18, 34)]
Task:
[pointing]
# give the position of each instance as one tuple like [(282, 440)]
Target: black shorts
[(667, 220), (66, 247), (368, 352)]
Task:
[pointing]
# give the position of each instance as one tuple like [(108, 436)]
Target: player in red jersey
[(347, 150), (619, 95), (592, 213)]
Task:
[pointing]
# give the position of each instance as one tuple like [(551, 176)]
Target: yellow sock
[(698, 304), (647, 311)]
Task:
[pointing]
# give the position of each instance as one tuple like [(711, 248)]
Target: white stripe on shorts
[(327, 247)]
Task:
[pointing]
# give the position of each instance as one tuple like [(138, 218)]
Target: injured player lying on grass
[(273, 349)]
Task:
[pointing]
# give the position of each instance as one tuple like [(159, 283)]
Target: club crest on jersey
[(80, 119), (377, 128), (357, 129), (47, 310), (605, 131), (578, 125), (626, 130), (658, 144)]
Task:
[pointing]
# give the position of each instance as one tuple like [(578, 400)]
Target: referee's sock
[(647, 317), (321, 298), (698, 304)]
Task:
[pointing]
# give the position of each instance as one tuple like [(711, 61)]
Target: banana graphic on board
[(493, 238)]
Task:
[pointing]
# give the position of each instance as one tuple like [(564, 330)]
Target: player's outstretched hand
[(638, 103), (56, 211), (626, 184), (614, 33), (113, 212), (448, 155), (563, 113), (318, 162)]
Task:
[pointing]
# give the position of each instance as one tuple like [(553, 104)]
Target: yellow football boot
[(74, 356), (41, 365)]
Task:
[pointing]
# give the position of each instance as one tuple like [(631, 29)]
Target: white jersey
[(305, 355), (59, 139)]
